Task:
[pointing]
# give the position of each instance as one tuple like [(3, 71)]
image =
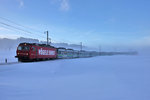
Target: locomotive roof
[(61, 48), (43, 45), (69, 49)]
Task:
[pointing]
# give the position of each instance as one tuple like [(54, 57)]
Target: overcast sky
[(93, 22)]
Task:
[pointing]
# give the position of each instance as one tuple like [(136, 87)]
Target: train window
[(59, 52), (23, 48), (33, 49), (19, 48)]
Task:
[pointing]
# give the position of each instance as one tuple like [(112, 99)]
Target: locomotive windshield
[(26, 48)]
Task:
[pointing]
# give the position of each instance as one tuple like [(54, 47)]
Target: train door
[(33, 53), (36, 53)]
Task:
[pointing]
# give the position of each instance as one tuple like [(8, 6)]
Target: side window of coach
[(33, 49)]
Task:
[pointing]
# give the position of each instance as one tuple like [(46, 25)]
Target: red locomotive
[(33, 51)]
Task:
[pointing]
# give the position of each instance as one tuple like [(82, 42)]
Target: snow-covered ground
[(97, 78), (9, 55)]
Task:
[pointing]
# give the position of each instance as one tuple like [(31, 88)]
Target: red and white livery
[(32, 51)]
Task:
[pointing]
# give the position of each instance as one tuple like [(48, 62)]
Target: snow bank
[(8, 54)]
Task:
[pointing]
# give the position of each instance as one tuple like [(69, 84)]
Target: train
[(36, 52)]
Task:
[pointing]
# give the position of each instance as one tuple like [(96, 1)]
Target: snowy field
[(97, 78)]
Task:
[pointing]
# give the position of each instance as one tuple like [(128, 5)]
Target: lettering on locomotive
[(46, 52)]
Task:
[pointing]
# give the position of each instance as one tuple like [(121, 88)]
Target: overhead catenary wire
[(19, 29), (12, 29), (20, 24)]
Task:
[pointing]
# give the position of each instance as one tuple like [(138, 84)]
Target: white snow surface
[(96, 78), (9, 55)]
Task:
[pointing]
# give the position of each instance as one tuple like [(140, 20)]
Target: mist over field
[(8, 44)]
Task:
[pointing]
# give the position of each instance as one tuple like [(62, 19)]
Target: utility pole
[(50, 40), (81, 46), (99, 50), (47, 36)]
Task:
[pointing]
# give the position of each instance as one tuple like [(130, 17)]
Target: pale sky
[(93, 22)]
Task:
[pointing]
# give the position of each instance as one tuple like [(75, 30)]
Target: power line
[(12, 29), (19, 24), (19, 29)]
